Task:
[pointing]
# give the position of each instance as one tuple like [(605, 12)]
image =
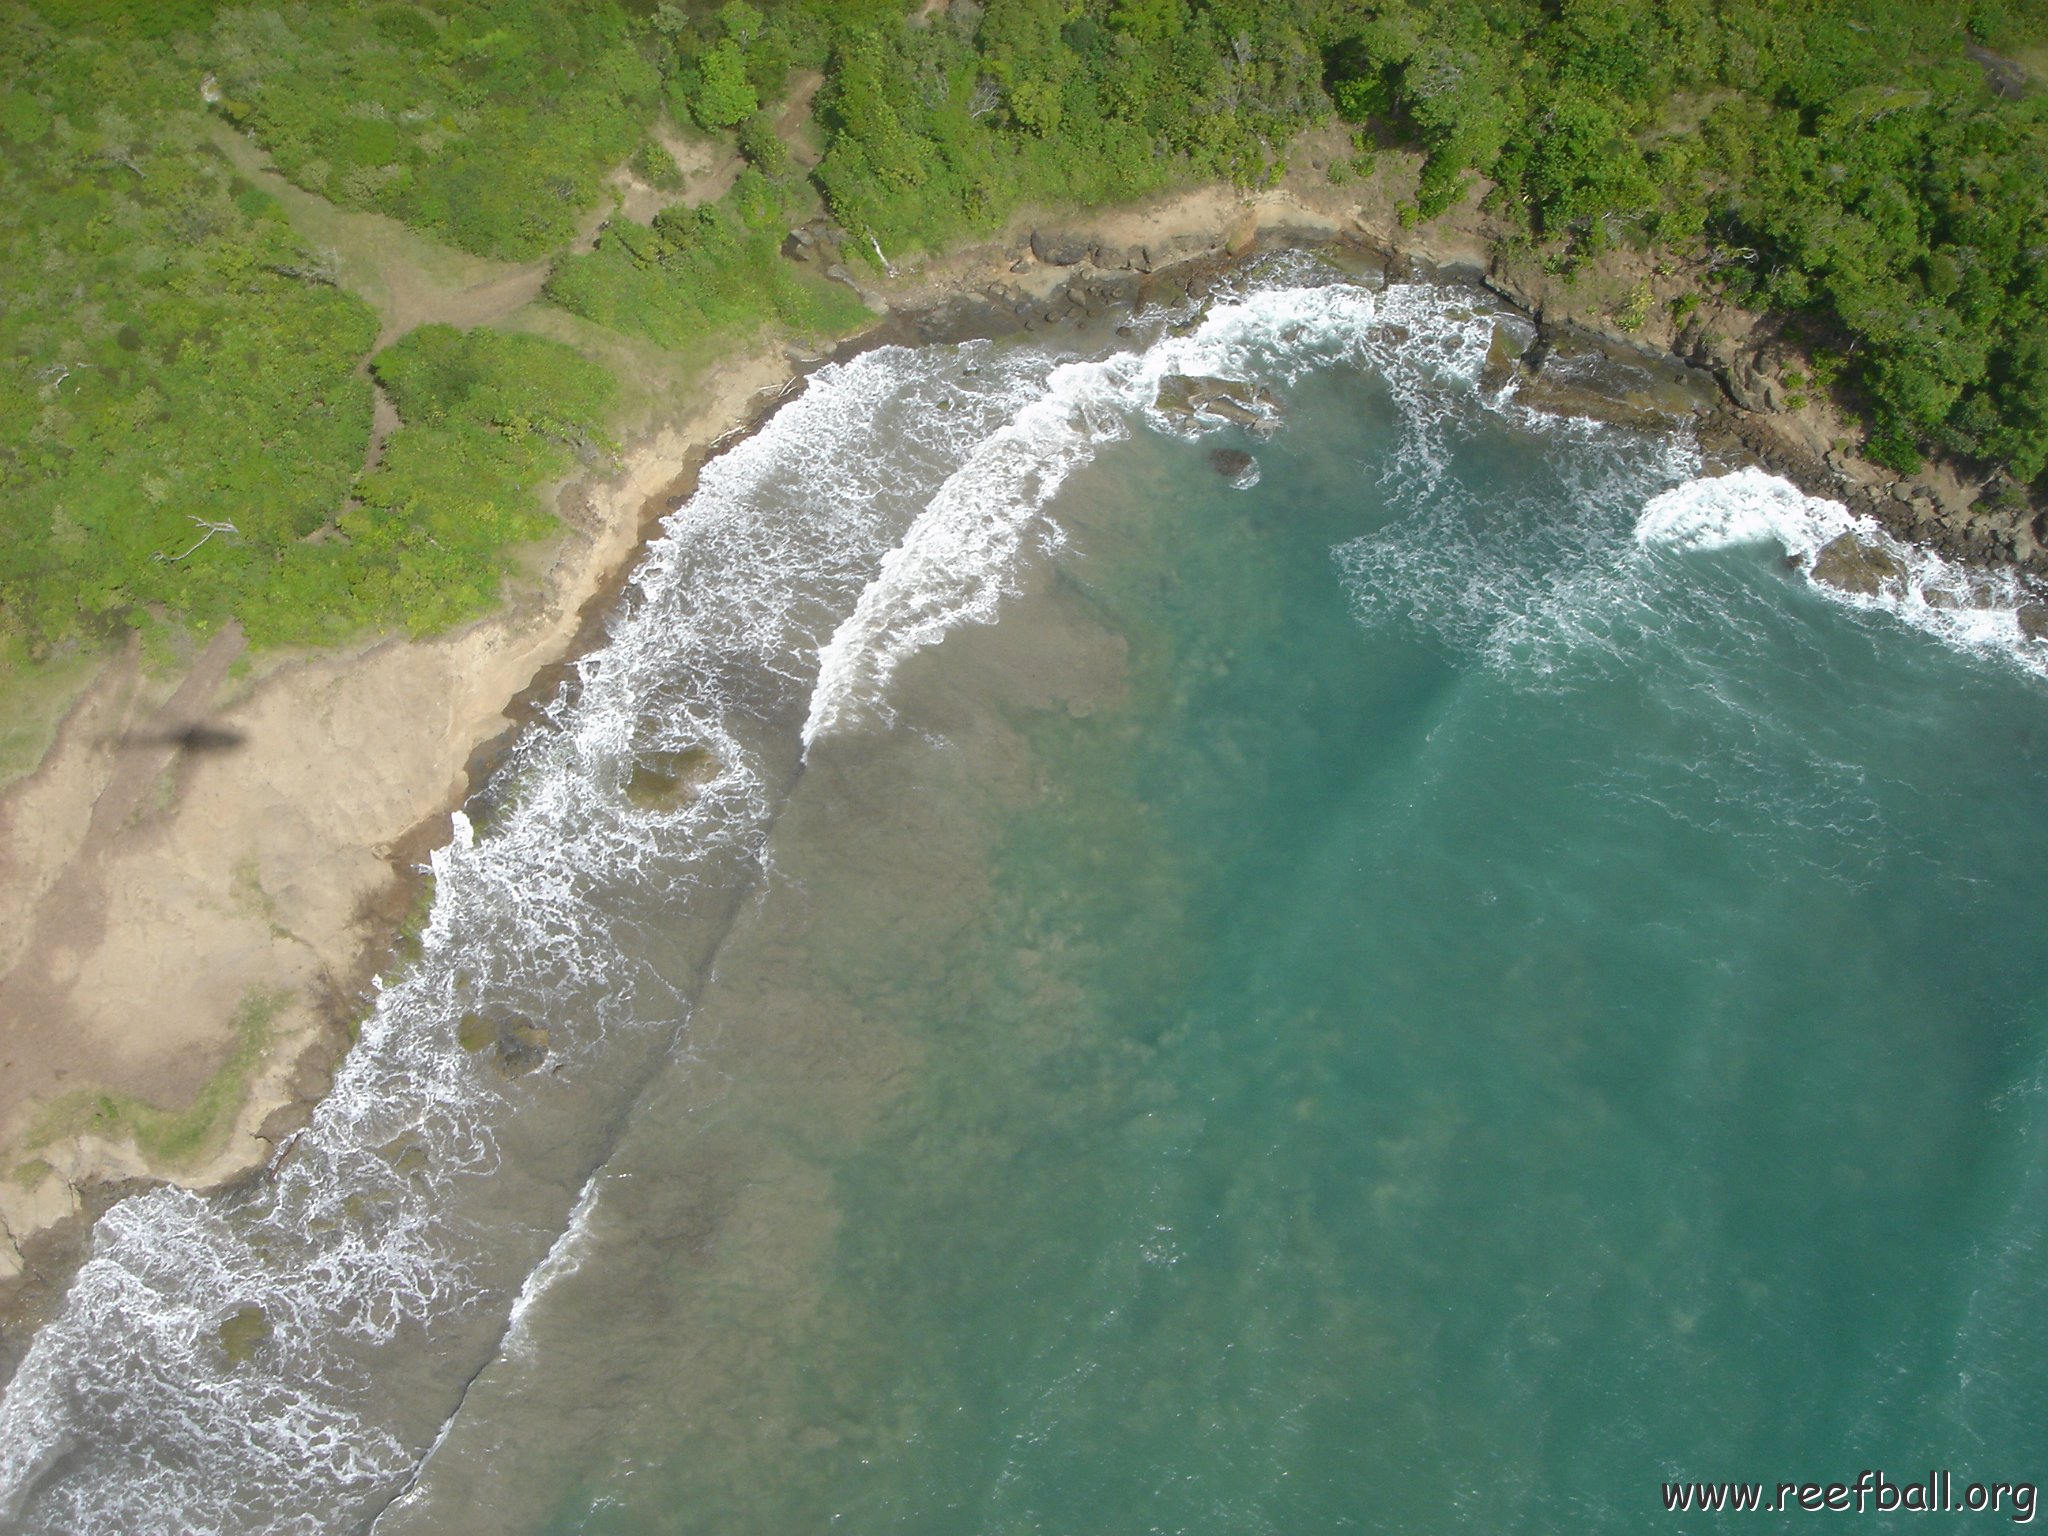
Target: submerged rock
[(1236, 466), (1852, 563), (407, 1155), (1232, 400), (667, 781), (243, 1332), (517, 1045)]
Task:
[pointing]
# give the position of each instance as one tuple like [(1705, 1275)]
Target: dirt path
[(407, 278), (793, 123)]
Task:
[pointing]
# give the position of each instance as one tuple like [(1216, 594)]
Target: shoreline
[(364, 713)]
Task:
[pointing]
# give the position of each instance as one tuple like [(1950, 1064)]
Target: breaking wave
[(1291, 316), (1966, 606)]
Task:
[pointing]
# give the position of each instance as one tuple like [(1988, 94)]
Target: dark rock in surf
[(1236, 466), (1566, 373), (1192, 395), (1852, 563), (515, 1045), (1968, 592), (667, 781), (1502, 353), (2033, 620), (244, 1331)]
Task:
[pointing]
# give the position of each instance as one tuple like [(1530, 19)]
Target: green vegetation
[(171, 356), (185, 389), (939, 130), (36, 697), (698, 272), (488, 417), (657, 167), (1848, 162), (184, 416), (173, 1138), (489, 123)]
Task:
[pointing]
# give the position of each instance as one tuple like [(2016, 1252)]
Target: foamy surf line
[(1974, 609), (963, 554)]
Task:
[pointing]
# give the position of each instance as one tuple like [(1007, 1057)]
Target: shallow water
[(1440, 991)]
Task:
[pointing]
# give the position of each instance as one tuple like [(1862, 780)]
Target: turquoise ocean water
[(1440, 990)]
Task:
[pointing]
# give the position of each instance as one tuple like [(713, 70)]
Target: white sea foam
[(1489, 569), (962, 555), (1974, 609), (562, 1261)]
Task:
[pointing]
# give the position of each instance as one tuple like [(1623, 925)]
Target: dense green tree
[(1880, 189), (489, 123), (724, 94)]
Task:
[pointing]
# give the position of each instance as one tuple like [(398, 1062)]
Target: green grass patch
[(699, 273), (34, 697), (174, 1138), (487, 123), (184, 419), (169, 357), (487, 418)]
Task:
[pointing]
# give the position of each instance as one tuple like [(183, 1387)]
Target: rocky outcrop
[(1568, 374), (1853, 563), (1191, 396), (820, 242), (1057, 249)]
